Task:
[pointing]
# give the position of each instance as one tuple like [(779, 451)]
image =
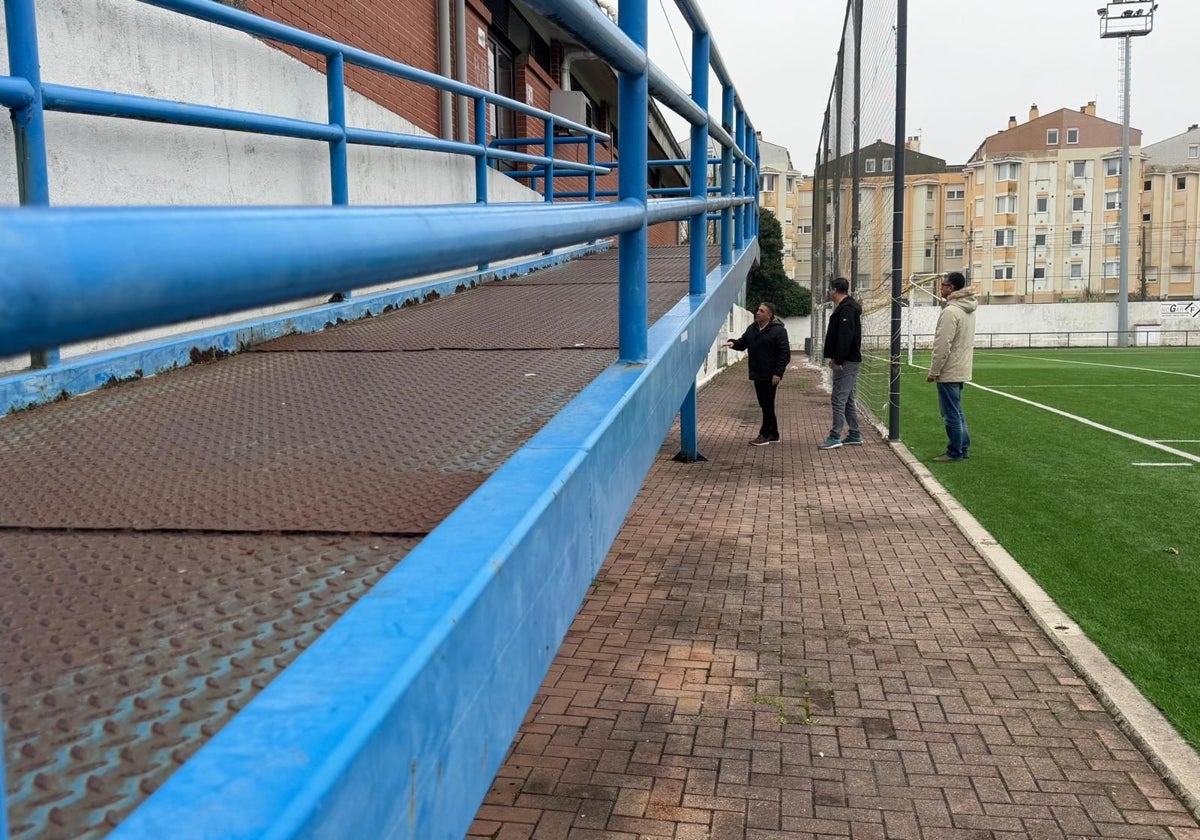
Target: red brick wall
[(406, 31)]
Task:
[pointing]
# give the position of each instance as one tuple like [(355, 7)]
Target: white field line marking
[(1178, 453), (1098, 364), (1112, 385), (1179, 441), (1153, 464)]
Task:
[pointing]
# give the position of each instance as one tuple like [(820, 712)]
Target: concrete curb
[(1167, 752)]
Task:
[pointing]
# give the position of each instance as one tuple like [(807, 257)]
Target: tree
[(767, 280)]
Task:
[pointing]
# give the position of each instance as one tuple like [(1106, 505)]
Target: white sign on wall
[(1181, 308)]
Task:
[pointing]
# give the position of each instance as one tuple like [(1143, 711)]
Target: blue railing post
[(549, 152), (481, 161), (339, 172), (633, 91), (739, 136), (339, 167), (689, 438), (29, 125), (591, 162), (727, 178)]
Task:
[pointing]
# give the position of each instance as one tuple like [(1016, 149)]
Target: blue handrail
[(63, 264)]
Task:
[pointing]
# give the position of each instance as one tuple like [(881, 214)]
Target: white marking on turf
[(1098, 364), (1154, 464), (1178, 453)]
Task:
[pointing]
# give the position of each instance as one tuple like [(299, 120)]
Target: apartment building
[(934, 217), (1043, 201), (781, 191), (1169, 224)]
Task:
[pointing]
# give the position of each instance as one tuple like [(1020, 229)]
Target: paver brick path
[(787, 643)]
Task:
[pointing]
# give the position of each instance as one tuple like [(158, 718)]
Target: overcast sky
[(781, 54)]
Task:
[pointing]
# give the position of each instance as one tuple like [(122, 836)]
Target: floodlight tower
[(1124, 19)]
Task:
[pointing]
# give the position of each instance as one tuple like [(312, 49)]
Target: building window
[(502, 79), (1076, 271), (955, 219), (768, 183), (1039, 274), (806, 229), (1112, 166), (928, 253), (1112, 235), (929, 194), (954, 251), (1007, 171), (1043, 204), (1145, 217), (1039, 239), (1076, 204), (1006, 204), (1006, 237), (1052, 137), (1147, 186), (1003, 272), (1077, 236), (1112, 200), (1079, 168), (791, 183), (1112, 268), (1181, 183), (1194, 151), (887, 164), (870, 165), (1072, 135), (979, 207), (953, 194)]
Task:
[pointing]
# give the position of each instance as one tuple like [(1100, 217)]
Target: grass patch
[(1116, 545)]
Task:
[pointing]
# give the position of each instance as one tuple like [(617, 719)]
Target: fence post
[(739, 137), (339, 169), (29, 125), (633, 92)]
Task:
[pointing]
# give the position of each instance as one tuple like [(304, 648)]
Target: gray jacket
[(954, 341)]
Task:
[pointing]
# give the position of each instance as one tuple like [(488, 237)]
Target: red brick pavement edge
[(788, 643)]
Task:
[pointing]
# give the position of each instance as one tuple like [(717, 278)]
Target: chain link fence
[(853, 186)]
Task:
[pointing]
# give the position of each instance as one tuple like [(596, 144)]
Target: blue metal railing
[(72, 274)]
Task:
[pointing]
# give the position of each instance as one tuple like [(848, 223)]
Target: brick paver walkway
[(787, 643)]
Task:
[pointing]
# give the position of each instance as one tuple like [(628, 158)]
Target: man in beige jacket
[(953, 353)]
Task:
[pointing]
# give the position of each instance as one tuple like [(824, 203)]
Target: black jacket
[(769, 349), (843, 339)]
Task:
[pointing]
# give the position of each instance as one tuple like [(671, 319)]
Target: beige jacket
[(954, 340)]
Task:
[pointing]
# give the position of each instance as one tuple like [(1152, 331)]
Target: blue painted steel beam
[(15, 93), (80, 273), (727, 179), (339, 170), (585, 20), (394, 722), (739, 181)]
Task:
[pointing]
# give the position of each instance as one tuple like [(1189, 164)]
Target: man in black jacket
[(766, 340), (843, 349)]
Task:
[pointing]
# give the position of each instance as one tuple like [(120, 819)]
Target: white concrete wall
[(129, 47), (1018, 325)]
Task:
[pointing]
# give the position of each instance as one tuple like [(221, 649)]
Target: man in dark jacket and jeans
[(843, 349), (766, 340)]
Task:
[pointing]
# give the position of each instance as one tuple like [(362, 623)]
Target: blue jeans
[(845, 411), (950, 403)]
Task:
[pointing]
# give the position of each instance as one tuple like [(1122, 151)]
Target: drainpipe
[(569, 56), (460, 51), (445, 101)]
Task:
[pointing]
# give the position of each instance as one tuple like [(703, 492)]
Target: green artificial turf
[(1116, 545)]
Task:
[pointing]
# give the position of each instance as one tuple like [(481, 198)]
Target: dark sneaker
[(773, 439), (852, 439), (760, 441), (830, 442), (943, 459)]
